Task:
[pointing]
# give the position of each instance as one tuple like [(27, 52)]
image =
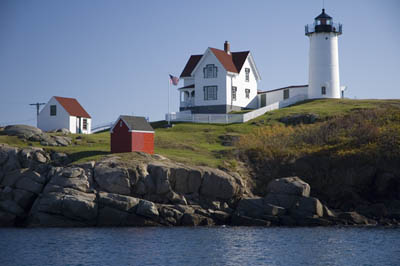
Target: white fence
[(232, 118)]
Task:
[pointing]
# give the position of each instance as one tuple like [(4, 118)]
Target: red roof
[(72, 106), (231, 62)]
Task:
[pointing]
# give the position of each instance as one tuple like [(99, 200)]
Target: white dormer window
[(247, 70), (210, 71)]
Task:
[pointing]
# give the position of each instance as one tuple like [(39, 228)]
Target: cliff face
[(149, 191), (35, 190)]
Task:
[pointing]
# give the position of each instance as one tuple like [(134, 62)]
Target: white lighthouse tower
[(323, 76)]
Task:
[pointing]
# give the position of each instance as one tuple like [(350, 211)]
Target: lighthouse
[(323, 75)]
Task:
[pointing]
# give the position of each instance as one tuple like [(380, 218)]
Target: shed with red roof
[(132, 133), (62, 112)]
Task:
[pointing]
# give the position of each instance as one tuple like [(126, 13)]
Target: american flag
[(174, 80)]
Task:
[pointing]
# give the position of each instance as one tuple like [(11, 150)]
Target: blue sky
[(115, 56)]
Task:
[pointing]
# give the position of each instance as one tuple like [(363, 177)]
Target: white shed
[(61, 112)]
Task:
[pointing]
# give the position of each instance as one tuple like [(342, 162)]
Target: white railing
[(187, 116)]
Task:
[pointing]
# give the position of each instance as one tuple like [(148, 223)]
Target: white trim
[(253, 65), (141, 131), (116, 122), (201, 60)]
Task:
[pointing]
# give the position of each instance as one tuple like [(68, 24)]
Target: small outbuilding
[(62, 112), (132, 133)]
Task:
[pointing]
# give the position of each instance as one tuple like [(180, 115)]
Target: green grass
[(200, 144)]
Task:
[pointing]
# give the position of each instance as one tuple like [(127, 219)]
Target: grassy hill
[(205, 144)]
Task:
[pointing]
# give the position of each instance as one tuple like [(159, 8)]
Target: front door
[(78, 125)]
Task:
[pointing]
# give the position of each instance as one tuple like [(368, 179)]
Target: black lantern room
[(324, 23)]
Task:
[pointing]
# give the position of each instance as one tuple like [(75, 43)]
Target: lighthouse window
[(286, 94), (323, 90)]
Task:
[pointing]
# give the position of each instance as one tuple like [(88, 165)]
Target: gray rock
[(160, 176), (282, 200), (114, 180), (12, 162), (290, 186), (24, 131), (72, 172), (190, 219), (257, 208), (11, 207), (29, 184), (23, 198), (353, 218), (147, 209), (59, 157), (328, 213), (111, 217), (187, 181), (120, 202), (62, 141), (80, 183), (7, 219), (82, 207), (140, 188), (219, 185), (221, 216), (307, 207), (13, 177), (52, 220), (63, 131)]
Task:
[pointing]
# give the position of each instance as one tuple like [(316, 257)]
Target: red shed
[(132, 133)]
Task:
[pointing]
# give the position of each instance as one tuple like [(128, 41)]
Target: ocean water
[(200, 246)]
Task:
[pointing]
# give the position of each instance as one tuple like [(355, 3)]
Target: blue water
[(200, 246)]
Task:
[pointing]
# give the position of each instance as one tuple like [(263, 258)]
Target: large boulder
[(22, 131), (112, 178), (289, 186), (257, 208), (68, 203), (187, 181), (147, 209), (219, 185)]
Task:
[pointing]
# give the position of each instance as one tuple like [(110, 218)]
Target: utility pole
[(37, 107)]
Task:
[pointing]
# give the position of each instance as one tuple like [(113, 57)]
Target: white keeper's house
[(220, 81), (62, 112)]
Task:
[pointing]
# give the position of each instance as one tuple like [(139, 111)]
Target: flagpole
[(169, 115)]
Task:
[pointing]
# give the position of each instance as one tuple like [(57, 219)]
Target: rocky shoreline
[(37, 189)]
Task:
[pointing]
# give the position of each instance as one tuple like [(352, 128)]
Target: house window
[(234, 90), (323, 90), (210, 93), (247, 91), (53, 110), (120, 123), (84, 124), (210, 71), (286, 94), (247, 70)]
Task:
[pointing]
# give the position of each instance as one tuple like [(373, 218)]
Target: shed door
[(263, 100)]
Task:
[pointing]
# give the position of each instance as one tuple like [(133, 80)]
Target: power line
[(37, 107)]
